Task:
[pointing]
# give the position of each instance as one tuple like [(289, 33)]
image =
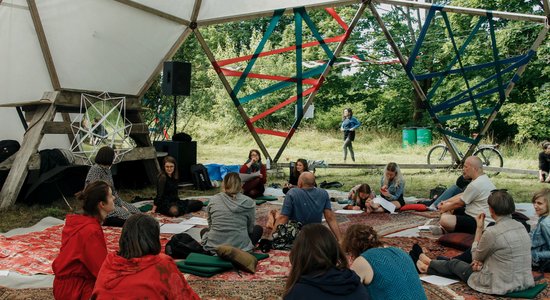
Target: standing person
[(299, 167), (102, 171), (388, 273), (544, 163), (139, 269), (320, 268), (501, 255), (540, 236), (231, 218), (460, 211), (167, 201), (83, 247), (254, 187), (349, 124)]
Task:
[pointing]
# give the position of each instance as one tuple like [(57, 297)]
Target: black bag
[(199, 175), (8, 148), (181, 137), (437, 191), (523, 219), (181, 245), (285, 234)]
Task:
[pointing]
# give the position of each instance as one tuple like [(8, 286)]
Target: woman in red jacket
[(139, 269), (254, 187), (83, 247)]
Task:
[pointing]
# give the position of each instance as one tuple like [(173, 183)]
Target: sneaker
[(432, 208)]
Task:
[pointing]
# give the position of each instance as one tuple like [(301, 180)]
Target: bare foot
[(422, 267), (424, 259)]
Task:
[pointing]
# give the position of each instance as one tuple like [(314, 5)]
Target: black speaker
[(176, 78), (185, 154)]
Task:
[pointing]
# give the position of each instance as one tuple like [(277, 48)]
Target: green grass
[(370, 147)]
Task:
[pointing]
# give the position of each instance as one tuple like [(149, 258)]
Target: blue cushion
[(224, 169), (214, 171)]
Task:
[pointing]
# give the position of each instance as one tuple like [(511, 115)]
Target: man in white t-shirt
[(460, 211)]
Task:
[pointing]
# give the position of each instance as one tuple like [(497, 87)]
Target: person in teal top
[(349, 124), (387, 273)]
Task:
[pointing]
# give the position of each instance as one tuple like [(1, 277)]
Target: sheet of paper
[(387, 205), (438, 280), (348, 212), (4, 272), (424, 227), (246, 177), (174, 228), (195, 221)]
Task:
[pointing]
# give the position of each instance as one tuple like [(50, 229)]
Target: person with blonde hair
[(392, 188), (138, 268), (387, 273), (540, 236), (320, 268), (231, 218)]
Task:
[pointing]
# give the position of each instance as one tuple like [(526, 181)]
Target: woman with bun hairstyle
[(83, 247)]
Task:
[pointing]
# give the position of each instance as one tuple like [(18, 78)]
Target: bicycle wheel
[(439, 154), (490, 158)]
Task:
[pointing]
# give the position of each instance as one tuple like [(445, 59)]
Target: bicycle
[(488, 153)]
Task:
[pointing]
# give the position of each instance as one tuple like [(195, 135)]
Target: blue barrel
[(423, 136), (409, 137)]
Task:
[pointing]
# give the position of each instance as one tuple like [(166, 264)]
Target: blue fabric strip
[(459, 136), (445, 118), (501, 93), (420, 40)]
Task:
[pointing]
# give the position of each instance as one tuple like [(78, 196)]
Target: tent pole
[(229, 90), (418, 90), (469, 11), (321, 79)]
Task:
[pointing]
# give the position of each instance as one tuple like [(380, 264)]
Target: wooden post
[(311, 96), (29, 146)]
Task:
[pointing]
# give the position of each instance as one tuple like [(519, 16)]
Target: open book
[(246, 177), (387, 205)]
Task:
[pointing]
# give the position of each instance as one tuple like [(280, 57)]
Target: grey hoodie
[(230, 221)]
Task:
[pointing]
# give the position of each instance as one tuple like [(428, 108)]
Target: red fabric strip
[(337, 18), (281, 105), (271, 132), (228, 72)]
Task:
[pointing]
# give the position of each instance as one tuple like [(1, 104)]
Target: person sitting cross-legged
[(459, 212), (308, 204), (501, 254)]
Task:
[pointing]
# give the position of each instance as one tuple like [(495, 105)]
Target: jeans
[(451, 268), (348, 145), (447, 194)]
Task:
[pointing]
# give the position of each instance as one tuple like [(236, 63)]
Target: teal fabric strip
[(274, 20), (283, 84), (299, 86), (315, 32), (459, 136), (470, 68)]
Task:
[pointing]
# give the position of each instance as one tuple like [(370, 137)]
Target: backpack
[(8, 148), (437, 191), (181, 245), (285, 234), (199, 175)]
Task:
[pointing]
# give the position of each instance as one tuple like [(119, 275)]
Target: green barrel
[(423, 136), (409, 137)]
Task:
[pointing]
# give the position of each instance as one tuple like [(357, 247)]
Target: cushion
[(417, 207), (529, 293), (267, 198), (259, 201), (457, 240), (214, 171), (146, 207), (203, 271), (197, 259), (239, 258), (205, 203), (260, 256)]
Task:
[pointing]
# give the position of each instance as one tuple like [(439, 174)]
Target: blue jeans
[(453, 190)]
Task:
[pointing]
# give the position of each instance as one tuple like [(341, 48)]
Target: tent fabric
[(104, 45)]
